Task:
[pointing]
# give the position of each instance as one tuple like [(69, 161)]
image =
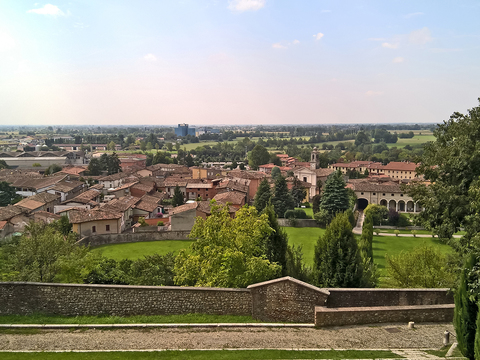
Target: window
[(383, 194), (374, 194), (94, 229), (107, 227), (361, 193), (304, 179), (401, 194), (393, 195)]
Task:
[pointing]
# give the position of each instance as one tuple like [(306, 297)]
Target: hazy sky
[(163, 62)]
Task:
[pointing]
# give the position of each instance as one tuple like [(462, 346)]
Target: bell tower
[(314, 159)]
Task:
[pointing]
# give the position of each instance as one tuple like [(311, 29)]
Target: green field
[(208, 355), (137, 250), (416, 140), (307, 238)]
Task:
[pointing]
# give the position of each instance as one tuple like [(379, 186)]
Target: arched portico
[(401, 205), (392, 204), (362, 203), (383, 202)]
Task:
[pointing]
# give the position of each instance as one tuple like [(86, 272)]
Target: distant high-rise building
[(181, 130)]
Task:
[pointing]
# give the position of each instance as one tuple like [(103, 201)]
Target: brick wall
[(120, 300)]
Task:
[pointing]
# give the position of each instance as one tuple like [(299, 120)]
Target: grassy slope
[(137, 250), (307, 238)]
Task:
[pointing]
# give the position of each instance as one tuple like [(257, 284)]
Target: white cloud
[(296, 42), (150, 57), (6, 42), (398, 60), (246, 5), (318, 36), (408, 16), (420, 37), (390, 45), (48, 9), (278, 46), (373, 93)]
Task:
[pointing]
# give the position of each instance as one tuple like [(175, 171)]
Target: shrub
[(322, 217), (403, 221), (295, 214), (160, 223), (307, 205), (379, 213), (396, 232), (393, 217), (142, 222), (414, 232)]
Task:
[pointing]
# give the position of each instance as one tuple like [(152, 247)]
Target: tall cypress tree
[(366, 240), (277, 242), (335, 196), (337, 262), (177, 199), (282, 199), (466, 310), (263, 195)]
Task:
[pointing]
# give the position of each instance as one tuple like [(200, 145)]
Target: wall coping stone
[(189, 288), (291, 279), (383, 308), (387, 289)]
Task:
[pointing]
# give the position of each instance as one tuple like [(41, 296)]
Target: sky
[(237, 62)]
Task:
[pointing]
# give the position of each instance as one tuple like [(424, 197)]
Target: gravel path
[(393, 336)]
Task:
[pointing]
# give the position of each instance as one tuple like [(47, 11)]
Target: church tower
[(314, 159)]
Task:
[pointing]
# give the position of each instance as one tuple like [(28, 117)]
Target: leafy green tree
[(378, 213), (275, 172), (3, 165), (366, 240), (282, 199), (178, 198), (263, 195), (258, 156), (277, 241), (316, 203), (189, 160), (153, 270), (362, 138), (52, 169), (298, 192), (452, 164), (7, 194), (337, 262), (228, 252), (94, 167), (111, 145), (44, 254), (424, 267), (466, 310), (63, 225), (113, 164), (335, 198)]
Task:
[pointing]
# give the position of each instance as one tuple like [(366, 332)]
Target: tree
[(378, 213), (178, 198), (52, 169), (316, 203), (365, 245), (282, 199), (228, 252), (113, 164), (189, 160), (263, 195), (466, 310), (335, 198), (111, 145), (44, 254), (275, 160), (8, 194), (298, 192), (275, 172), (451, 164), (362, 138), (94, 167), (277, 241), (337, 262), (258, 156), (424, 267)]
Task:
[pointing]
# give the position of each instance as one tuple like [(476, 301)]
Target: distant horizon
[(228, 62)]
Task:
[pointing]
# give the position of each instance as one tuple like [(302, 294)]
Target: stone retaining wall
[(383, 314), (387, 297), (120, 300), (298, 222), (96, 240)]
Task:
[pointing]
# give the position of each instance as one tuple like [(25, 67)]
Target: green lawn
[(416, 140), (139, 249), (209, 355), (392, 245), (307, 238)]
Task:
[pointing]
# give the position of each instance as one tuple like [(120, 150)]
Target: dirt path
[(394, 336)]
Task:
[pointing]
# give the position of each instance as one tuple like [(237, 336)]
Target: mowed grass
[(137, 250), (208, 355), (393, 245), (305, 237), (416, 140), (308, 211)]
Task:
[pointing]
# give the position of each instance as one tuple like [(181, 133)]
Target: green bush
[(379, 213), (295, 214), (323, 217), (160, 223), (403, 221)]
